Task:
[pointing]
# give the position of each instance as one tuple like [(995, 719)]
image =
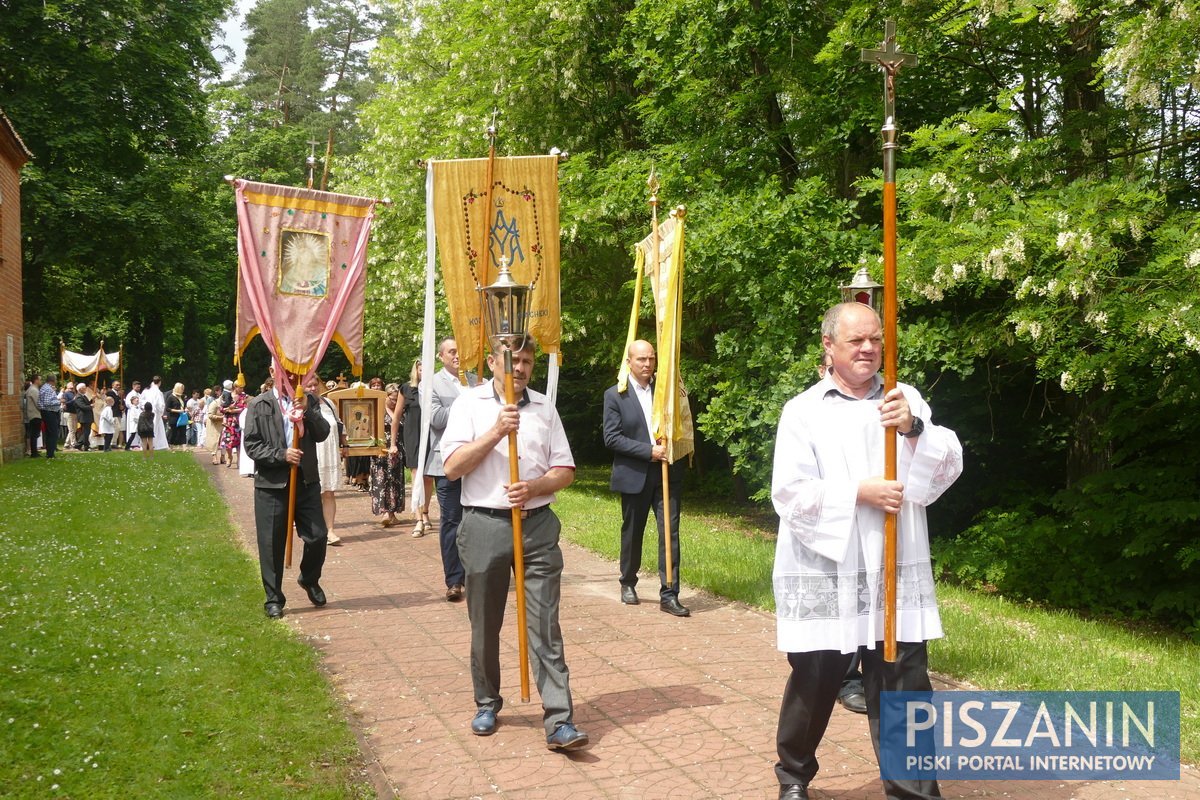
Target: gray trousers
[(485, 544)]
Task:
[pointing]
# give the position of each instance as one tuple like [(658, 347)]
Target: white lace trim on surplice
[(822, 596)]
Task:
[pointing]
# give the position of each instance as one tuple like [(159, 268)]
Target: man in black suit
[(637, 475), (270, 420)]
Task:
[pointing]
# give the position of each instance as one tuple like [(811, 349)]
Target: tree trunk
[(1083, 98), (1087, 451)]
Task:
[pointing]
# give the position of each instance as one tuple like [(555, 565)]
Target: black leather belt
[(506, 513)]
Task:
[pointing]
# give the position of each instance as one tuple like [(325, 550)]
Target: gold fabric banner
[(672, 414), (520, 221)]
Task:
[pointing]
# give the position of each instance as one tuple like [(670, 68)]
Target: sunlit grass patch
[(135, 656)]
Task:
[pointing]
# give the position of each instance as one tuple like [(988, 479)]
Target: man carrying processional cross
[(858, 459)]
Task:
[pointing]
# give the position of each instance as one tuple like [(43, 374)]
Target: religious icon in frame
[(357, 415), (361, 411), (303, 262)]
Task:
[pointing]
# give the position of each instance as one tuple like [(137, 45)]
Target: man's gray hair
[(529, 344), (833, 316)]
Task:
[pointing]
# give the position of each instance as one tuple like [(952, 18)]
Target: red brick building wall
[(13, 155)]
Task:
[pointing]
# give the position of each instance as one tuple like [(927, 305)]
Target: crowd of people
[(86, 417)]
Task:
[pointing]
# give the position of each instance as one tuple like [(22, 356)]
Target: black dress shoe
[(855, 701), (793, 791), (314, 592), (274, 610), (672, 606), (629, 596)]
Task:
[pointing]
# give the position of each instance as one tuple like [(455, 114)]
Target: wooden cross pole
[(890, 60)]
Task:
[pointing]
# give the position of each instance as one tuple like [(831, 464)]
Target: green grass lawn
[(135, 657), (990, 642)]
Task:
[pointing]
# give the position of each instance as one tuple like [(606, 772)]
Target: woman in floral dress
[(231, 433), (387, 470)]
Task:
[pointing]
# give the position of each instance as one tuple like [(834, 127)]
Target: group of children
[(141, 420)]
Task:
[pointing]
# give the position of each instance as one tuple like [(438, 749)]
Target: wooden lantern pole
[(514, 476), (890, 60)]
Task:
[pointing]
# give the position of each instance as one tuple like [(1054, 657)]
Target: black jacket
[(626, 434), (264, 442), (84, 414)]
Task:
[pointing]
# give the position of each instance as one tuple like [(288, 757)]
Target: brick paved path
[(674, 707)]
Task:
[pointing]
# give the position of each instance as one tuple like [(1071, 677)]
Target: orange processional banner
[(518, 222)]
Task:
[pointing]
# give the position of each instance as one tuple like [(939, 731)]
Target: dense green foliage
[(119, 236), (1048, 229), (136, 659)]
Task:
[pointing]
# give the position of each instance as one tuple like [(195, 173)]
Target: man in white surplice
[(154, 395), (831, 500)]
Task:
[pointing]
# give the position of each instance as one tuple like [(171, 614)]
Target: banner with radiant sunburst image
[(302, 259)]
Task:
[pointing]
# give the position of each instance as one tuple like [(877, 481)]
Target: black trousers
[(50, 436), (635, 511), (270, 522), (809, 698), (33, 429), (449, 495)]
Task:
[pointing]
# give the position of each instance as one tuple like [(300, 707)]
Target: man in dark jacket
[(271, 420), (637, 475), (84, 417)]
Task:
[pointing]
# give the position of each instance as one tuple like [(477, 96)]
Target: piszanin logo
[(1029, 735)]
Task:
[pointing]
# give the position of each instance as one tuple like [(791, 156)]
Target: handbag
[(181, 421)]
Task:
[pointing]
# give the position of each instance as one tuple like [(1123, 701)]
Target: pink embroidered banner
[(302, 258)]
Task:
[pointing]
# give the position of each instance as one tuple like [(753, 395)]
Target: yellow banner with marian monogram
[(474, 231)]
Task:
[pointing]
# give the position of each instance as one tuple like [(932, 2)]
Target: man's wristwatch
[(918, 427)]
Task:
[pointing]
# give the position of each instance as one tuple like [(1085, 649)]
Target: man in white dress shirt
[(475, 447)]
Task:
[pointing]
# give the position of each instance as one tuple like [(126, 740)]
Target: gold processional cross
[(890, 60)]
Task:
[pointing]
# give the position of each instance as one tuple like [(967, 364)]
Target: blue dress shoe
[(566, 737), (484, 723)]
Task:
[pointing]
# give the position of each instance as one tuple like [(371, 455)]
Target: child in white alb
[(107, 424)]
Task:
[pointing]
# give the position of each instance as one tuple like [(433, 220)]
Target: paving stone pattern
[(673, 707)]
